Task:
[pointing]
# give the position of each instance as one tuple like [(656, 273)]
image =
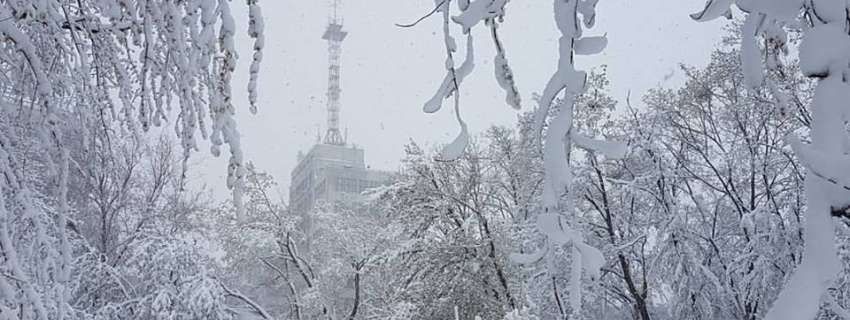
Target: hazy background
[(389, 72)]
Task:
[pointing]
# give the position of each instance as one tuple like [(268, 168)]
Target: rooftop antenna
[(318, 134), (334, 35)]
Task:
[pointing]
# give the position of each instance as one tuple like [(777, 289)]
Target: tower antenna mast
[(334, 35)]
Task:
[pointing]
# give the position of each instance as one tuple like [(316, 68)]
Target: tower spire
[(334, 35)]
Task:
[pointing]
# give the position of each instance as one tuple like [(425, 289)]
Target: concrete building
[(331, 173)]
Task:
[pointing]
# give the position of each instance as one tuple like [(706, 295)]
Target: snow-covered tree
[(83, 82), (726, 191), (824, 55), (131, 251), (555, 217), (327, 271), (454, 219)]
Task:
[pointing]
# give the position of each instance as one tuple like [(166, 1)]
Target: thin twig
[(12, 277), (436, 8), (260, 311), (828, 179)]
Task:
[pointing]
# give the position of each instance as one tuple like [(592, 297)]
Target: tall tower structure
[(334, 35), (332, 171)]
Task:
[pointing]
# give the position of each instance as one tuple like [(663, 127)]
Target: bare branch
[(426, 16)]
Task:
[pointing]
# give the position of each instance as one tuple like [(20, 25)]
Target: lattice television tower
[(334, 35)]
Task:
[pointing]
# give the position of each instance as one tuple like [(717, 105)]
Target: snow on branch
[(238, 295), (124, 64), (504, 74), (134, 61), (480, 10), (824, 55), (554, 220), (256, 27), (471, 14)]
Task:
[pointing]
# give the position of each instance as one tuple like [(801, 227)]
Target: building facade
[(331, 173)]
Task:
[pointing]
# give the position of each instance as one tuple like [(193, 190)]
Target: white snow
[(824, 53), (590, 45), (833, 167), (448, 85), (713, 9), (750, 54), (558, 142), (479, 10), (23, 43), (568, 78), (783, 10), (451, 85), (610, 149), (256, 28), (565, 19), (592, 259), (505, 78), (830, 11), (587, 8), (558, 176), (454, 150), (824, 47), (801, 297), (530, 258)]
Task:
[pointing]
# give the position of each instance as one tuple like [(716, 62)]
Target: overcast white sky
[(389, 72)]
